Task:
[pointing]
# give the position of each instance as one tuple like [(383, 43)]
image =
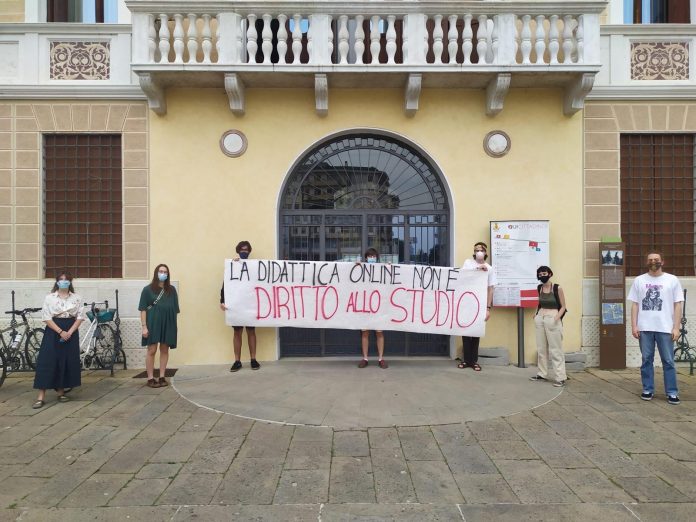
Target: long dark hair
[(68, 276), (154, 284)]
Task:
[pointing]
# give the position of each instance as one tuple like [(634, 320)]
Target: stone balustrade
[(334, 37)]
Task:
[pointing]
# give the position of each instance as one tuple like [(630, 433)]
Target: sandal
[(476, 367), (462, 365), (152, 383), (63, 398), (37, 405)]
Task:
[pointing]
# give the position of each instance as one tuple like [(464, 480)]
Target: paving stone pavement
[(122, 451)]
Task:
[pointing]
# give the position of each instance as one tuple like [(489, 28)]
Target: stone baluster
[(374, 39), (553, 39), (580, 40), (467, 37), (282, 38), (482, 36), (330, 39), (343, 39), (179, 38), (296, 38), (310, 39), (452, 39), (359, 39), (539, 39), (567, 39), (206, 39), (164, 38), (437, 39), (495, 39), (252, 44), (216, 36), (526, 39), (151, 39), (267, 37), (391, 39), (192, 38)]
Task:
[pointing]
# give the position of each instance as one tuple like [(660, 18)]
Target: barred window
[(657, 200), (656, 12), (83, 204)]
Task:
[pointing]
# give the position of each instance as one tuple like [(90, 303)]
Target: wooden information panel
[(612, 306)]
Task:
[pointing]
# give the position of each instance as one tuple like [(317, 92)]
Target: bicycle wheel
[(32, 346), (3, 369), (105, 342)]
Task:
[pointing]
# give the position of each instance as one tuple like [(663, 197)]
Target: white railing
[(359, 33)]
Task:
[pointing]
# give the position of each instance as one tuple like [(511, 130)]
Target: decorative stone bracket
[(495, 93), (576, 92), (321, 94), (156, 99), (234, 87), (412, 94)]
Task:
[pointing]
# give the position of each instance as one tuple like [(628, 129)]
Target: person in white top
[(471, 344), (656, 311), (58, 362)]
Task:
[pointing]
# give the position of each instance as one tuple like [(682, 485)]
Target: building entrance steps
[(336, 393)]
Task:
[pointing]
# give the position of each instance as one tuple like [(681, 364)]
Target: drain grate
[(169, 372)]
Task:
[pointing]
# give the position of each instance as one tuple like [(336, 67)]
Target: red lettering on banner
[(459, 302), (284, 304), (323, 302), (258, 303), (391, 300)]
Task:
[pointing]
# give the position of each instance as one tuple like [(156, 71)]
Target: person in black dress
[(58, 362), (159, 306)]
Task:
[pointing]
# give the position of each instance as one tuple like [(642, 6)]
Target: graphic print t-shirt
[(656, 297)]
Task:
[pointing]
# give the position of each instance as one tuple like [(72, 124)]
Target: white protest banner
[(365, 296)]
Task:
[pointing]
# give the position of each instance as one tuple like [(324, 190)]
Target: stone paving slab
[(122, 451)]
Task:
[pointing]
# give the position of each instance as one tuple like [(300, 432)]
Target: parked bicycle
[(18, 349), (102, 347)]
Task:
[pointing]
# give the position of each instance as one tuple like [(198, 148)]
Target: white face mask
[(480, 255)]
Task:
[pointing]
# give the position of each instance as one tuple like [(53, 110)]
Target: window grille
[(83, 204), (657, 200)]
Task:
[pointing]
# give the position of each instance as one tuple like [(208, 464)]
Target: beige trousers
[(549, 339)]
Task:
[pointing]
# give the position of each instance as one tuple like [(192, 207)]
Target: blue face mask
[(162, 277), (63, 284), (244, 255), (371, 259)]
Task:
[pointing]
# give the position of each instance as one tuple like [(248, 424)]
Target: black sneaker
[(537, 378), (255, 364), (646, 396), (236, 366), (559, 384), (673, 399)]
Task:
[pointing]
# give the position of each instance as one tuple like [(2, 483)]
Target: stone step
[(575, 357), (575, 367), (494, 356)]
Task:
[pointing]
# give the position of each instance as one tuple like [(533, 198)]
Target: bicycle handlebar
[(25, 311)]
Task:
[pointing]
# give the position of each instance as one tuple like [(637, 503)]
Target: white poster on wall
[(518, 248), (357, 296)]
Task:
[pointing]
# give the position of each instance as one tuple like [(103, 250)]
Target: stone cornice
[(644, 92), (60, 29), (488, 7), (91, 92), (674, 31)]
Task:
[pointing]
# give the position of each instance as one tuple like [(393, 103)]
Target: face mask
[(544, 279), (654, 265), (63, 284), (480, 255), (244, 255), (162, 276), (371, 259)]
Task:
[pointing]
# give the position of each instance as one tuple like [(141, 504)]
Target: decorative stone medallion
[(233, 143), (80, 60), (497, 144), (659, 61)]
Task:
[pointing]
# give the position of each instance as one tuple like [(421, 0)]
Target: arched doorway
[(353, 191)]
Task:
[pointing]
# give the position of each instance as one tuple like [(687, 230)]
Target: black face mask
[(244, 255), (544, 279)]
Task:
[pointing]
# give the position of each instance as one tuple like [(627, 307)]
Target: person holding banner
[(372, 256), (243, 250), (549, 329), (159, 306), (471, 344)]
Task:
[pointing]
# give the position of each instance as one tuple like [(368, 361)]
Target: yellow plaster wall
[(203, 203), (11, 11)]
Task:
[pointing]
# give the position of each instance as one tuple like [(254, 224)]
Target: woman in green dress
[(159, 305)]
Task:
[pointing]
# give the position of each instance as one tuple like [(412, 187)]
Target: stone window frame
[(22, 124)]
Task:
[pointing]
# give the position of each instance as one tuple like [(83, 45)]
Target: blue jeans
[(665, 345)]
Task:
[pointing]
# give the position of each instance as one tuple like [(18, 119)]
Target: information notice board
[(518, 248), (612, 303)]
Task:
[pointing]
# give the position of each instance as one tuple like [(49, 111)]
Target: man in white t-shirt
[(471, 344), (656, 312)]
